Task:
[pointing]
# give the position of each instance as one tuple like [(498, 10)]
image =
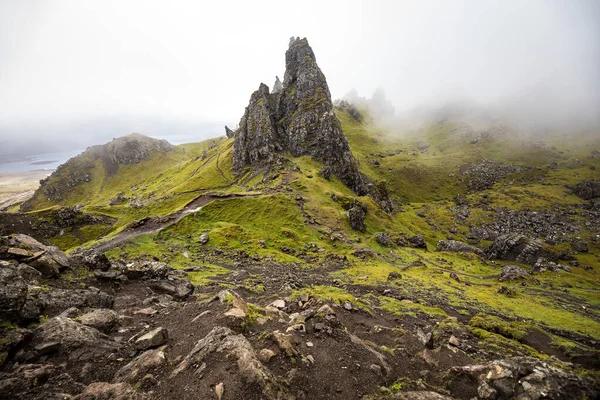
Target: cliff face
[(299, 118)]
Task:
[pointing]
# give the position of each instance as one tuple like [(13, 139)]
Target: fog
[(78, 72)]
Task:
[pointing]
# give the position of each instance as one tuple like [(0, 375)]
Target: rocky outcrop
[(13, 293), (517, 378), (513, 273), (588, 189), (514, 247), (228, 132), (485, 174), (298, 118), (48, 260), (70, 336), (224, 341), (356, 218), (277, 86)]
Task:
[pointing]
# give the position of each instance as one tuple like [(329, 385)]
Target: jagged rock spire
[(277, 86), (298, 118)]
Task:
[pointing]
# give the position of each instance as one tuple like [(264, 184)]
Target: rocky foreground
[(141, 330)]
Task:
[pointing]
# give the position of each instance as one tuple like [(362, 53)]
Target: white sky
[(66, 60)]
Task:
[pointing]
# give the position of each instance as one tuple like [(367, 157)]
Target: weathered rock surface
[(356, 218), (515, 247), (154, 338), (513, 273), (102, 319), (49, 260), (78, 340), (224, 341), (458, 246), (588, 189), (13, 293), (383, 239), (179, 289), (147, 270), (111, 391), (518, 378), (298, 118), (142, 365), (485, 174)]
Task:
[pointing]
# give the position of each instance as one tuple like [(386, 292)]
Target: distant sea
[(47, 161)]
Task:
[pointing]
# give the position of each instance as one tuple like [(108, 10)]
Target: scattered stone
[(203, 238), (457, 246), (155, 338), (425, 338), (279, 304), (285, 343), (77, 340), (29, 273), (347, 306), (179, 289), (265, 355), (392, 276), (147, 270), (580, 246), (326, 310), (454, 341), (417, 241), (383, 239), (235, 313), (219, 389)]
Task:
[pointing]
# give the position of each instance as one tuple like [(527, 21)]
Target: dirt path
[(156, 224)]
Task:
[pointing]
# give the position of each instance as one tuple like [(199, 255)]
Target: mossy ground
[(295, 209)]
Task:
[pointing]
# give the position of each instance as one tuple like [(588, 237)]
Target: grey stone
[(154, 338)]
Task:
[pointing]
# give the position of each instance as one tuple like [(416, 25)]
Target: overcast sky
[(129, 64)]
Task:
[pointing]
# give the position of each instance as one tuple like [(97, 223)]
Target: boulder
[(147, 270), (91, 259), (111, 391), (13, 293), (518, 378), (179, 289), (203, 238), (458, 246), (76, 340), (144, 364), (383, 239), (220, 341), (356, 218), (542, 265), (513, 273), (102, 319), (516, 247), (588, 189), (154, 338), (48, 260), (417, 241), (55, 301)]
